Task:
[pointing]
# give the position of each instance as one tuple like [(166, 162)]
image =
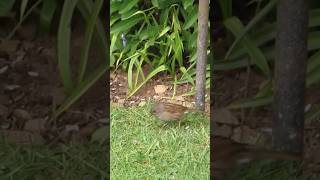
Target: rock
[(246, 135), (222, 131), (11, 87), (4, 69), (224, 116), (22, 114)]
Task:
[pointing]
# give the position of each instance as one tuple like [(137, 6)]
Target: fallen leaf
[(160, 89)]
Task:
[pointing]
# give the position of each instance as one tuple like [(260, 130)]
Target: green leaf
[(164, 17), (100, 135), (115, 6), (6, 6), (82, 88), (85, 7), (126, 24), (113, 41), (191, 19), (155, 3), (23, 6), (226, 8), (64, 38), (235, 26), (152, 74), (313, 62), (46, 14), (185, 74), (127, 5), (113, 19), (88, 37), (164, 31), (252, 102), (262, 13), (314, 17), (129, 13), (130, 71), (187, 3)]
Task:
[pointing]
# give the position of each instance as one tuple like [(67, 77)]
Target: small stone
[(4, 69), (22, 114), (33, 74), (72, 127), (224, 116), (246, 135), (12, 87), (121, 101)]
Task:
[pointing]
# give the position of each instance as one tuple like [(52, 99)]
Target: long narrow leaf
[(253, 22), (82, 88), (252, 102), (64, 44), (85, 6), (236, 27), (88, 37), (152, 74)]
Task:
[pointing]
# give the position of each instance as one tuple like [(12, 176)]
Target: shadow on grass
[(269, 170), (39, 163)]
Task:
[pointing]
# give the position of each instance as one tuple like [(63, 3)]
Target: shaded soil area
[(31, 89), (253, 125)]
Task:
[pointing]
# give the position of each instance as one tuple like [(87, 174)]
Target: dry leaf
[(160, 89)]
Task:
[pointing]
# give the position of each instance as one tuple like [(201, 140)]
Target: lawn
[(144, 148), (72, 162)]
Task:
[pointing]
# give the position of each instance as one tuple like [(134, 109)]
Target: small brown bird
[(228, 155), (168, 112)]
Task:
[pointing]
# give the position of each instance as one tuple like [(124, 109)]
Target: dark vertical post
[(290, 70), (202, 42), (107, 18)]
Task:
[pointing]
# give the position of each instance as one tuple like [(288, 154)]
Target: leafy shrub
[(159, 34)]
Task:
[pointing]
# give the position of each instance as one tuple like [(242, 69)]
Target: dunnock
[(228, 155), (168, 112)]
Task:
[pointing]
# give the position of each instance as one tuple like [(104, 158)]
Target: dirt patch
[(30, 86), (160, 88)]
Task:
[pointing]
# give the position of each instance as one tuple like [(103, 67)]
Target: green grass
[(143, 148), (269, 170), (40, 163)]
